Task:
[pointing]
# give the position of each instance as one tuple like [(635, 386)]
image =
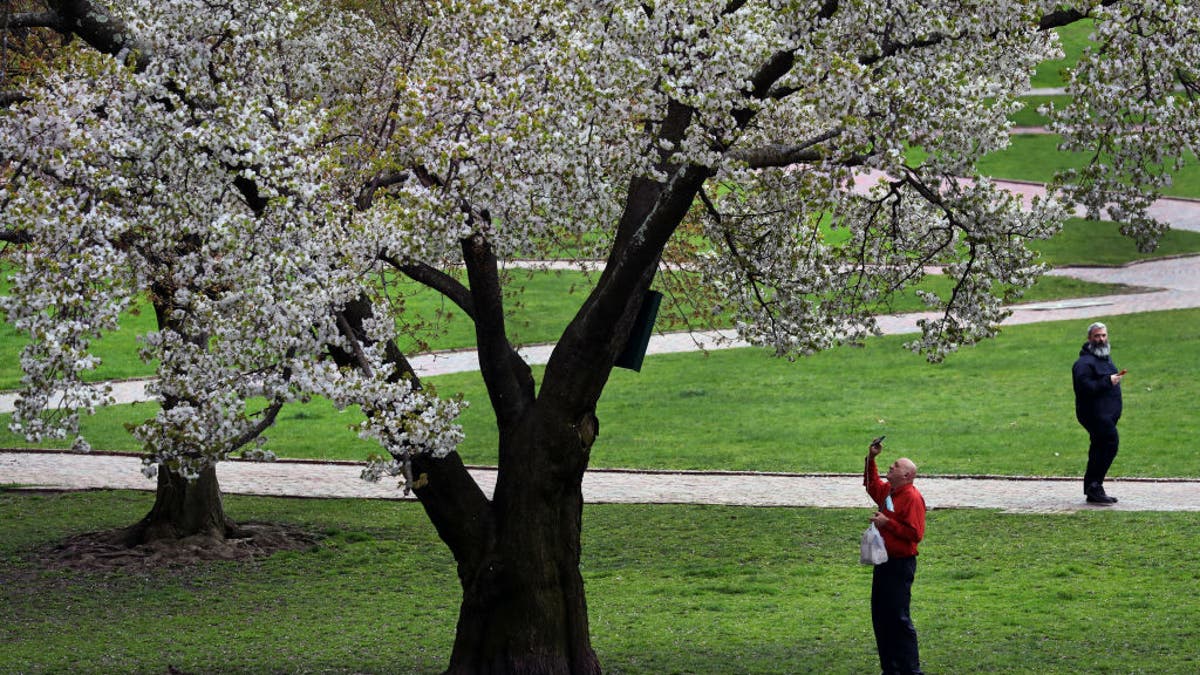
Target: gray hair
[(1096, 326)]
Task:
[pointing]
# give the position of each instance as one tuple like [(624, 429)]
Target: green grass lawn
[(1036, 157), (671, 589), (1084, 242), (1074, 39), (1029, 115), (1002, 407), (118, 351)]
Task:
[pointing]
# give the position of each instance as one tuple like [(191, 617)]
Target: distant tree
[(261, 172), (189, 153)]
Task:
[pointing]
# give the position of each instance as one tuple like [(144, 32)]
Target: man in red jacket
[(901, 521)]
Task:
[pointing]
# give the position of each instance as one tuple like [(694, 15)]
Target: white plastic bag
[(872, 550)]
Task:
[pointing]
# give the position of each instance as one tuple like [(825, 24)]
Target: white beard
[(1101, 350)]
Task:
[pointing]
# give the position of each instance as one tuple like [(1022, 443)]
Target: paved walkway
[(606, 486), (1172, 283)]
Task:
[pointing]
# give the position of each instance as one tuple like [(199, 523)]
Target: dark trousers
[(895, 635), (1102, 450)]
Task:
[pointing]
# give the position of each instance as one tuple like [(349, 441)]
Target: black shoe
[(1101, 500)]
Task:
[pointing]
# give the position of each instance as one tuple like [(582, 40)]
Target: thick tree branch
[(508, 378), (21, 20), (786, 155), (456, 505), (248, 188), (367, 196), (352, 320), (15, 237), (355, 336), (776, 156), (436, 280), (102, 31), (762, 83), (458, 509), (890, 48), (268, 418), (1064, 16), (8, 98), (733, 6), (583, 358)]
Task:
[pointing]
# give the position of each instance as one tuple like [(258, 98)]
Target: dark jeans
[(1102, 450), (895, 635)]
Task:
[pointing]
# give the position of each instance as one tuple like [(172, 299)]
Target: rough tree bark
[(524, 608), (183, 509)]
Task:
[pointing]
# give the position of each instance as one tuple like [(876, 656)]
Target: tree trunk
[(183, 509), (524, 609)]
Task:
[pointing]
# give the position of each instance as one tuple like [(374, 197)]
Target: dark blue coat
[(1096, 397)]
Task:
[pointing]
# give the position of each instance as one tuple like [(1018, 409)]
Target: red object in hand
[(1122, 371)]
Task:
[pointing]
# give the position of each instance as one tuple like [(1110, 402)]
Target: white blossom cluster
[(1138, 118)]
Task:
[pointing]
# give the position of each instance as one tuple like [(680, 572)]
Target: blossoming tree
[(256, 169), (189, 154)]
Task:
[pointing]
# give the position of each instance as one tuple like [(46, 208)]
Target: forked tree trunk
[(524, 610), (183, 509)]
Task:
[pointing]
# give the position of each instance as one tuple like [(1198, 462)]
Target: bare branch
[(509, 379), (437, 280), (52, 20), (268, 418), (15, 237)]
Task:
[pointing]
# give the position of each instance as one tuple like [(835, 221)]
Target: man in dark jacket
[(1098, 408)]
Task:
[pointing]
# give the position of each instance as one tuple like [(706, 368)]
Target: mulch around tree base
[(97, 551)]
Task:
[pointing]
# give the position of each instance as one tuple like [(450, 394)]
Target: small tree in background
[(313, 151), (193, 155)]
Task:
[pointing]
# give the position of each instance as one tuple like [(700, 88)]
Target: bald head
[(901, 472)]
